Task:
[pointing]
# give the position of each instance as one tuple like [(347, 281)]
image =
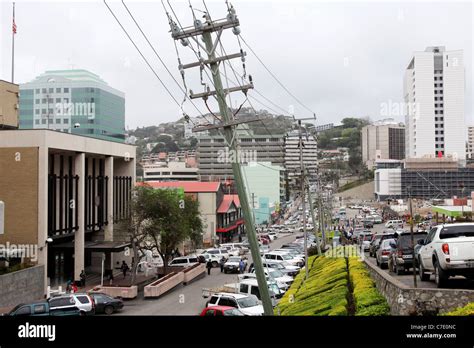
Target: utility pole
[(412, 243), (310, 200), (204, 30)]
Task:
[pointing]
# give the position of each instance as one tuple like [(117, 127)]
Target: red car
[(221, 311)]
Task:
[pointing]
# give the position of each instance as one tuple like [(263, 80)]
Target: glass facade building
[(73, 101)]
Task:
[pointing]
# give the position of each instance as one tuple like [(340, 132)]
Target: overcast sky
[(339, 58)]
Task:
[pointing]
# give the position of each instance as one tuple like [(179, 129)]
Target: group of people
[(71, 286)]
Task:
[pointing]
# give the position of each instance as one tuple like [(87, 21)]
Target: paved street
[(407, 279), (188, 300)]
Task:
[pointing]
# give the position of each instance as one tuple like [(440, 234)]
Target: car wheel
[(421, 271), (215, 264), (440, 276), (108, 310), (383, 266), (225, 271), (82, 313), (377, 261)]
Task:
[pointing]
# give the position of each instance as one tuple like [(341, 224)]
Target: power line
[(161, 60), (274, 77), (141, 54)]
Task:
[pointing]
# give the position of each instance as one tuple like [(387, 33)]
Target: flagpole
[(13, 44)]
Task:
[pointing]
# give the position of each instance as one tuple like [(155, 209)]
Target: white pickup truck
[(448, 250)]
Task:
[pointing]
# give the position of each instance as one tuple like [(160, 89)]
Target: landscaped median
[(337, 284), (467, 310)]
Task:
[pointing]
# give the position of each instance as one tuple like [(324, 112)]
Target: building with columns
[(66, 194)]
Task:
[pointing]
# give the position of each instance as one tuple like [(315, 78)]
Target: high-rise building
[(434, 104), (381, 141), (470, 143), (73, 101), (215, 158), (292, 156)]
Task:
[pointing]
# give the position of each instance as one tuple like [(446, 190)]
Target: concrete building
[(263, 184), (470, 143), (9, 104), (215, 159), (381, 141), (434, 87), (169, 171), (73, 101), (70, 188), (292, 156)]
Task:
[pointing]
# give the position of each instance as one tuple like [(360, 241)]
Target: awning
[(99, 247), (230, 228), (451, 210)]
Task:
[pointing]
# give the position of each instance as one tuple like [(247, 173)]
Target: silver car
[(383, 253)]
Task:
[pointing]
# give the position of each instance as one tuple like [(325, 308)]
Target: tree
[(168, 219)]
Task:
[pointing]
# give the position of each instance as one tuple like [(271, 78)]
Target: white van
[(394, 223), (183, 261)]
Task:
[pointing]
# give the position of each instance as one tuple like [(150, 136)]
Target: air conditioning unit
[(17, 106)]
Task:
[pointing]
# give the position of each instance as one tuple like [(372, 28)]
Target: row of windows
[(438, 85), (439, 112), (56, 121), (439, 118), (51, 90), (438, 98), (440, 78), (51, 100)]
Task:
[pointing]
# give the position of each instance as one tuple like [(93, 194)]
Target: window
[(66, 121), (37, 90), (227, 301), (66, 90), (37, 111), (37, 101), (51, 100), (26, 310), (39, 309), (83, 299), (37, 122), (58, 100), (43, 101), (43, 121), (210, 313), (43, 90), (51, 90), (58, 121), (58, 90), (43, 111), (254, 291), (92, 90), (244, 288), (50, 111), (66, 100), (213, 300)]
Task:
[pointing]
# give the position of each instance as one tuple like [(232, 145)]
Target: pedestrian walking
[(242, 266), (83, 278), (73, 288), (124, 269), (222, 263), (209, 266)]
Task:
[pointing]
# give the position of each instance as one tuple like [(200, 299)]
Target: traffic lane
[(457, 282), (187, 299)]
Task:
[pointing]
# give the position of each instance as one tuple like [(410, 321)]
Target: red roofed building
[(220, 213)]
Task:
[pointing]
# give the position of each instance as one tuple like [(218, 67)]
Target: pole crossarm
[(216, 60), (226, 91), (206, 127), (216, 25)]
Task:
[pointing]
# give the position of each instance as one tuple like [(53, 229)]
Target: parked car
[(365, 239), (225, 311), (105, 303), (280, 257), (203, 258), (247, 304), (42, 308), (394, 224), (218, 252), (183, 261), (448, 250), (383, 253), (81, 301), (368, 223), (402, 255), (278, 276), (285, 268), (232, 264), (250, 287), (374, 243), (377, 219)]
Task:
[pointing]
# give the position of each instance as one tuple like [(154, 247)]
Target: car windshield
[(286, 256), (212, 252), (386, 243), (246, 302), (232, 312), (405, 240), (234, 259), (276, 273), (457, 231)]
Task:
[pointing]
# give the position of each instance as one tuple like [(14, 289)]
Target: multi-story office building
[(169, 171), (215, 159), (434, 104), (382, 140), (470, 143), (73, 101), (292, 156)]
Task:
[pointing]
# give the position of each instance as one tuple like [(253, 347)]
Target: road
[(407, 279), (187, 299)]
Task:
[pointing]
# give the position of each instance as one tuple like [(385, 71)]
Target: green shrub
[(467, 310)]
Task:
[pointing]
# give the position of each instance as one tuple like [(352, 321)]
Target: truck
[(447, 250)]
